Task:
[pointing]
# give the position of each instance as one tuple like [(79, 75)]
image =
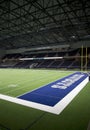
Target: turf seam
[(35, 121), (4, 127)]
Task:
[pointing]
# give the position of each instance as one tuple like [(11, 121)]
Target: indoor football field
[(34, 85)]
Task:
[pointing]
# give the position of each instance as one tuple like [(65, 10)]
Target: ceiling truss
[(29, 23)]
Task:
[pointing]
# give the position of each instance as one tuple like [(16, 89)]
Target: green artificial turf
[(15, 82)]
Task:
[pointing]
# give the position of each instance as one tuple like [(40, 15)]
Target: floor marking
[(48, 95), (12, 85), (58, 108)]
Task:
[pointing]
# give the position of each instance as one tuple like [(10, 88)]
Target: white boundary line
[(57, 109)]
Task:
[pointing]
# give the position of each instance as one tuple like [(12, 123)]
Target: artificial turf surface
[(15, 82)]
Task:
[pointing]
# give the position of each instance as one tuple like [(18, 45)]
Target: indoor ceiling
[(32, 23)]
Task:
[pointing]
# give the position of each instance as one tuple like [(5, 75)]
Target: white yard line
[(37, 80), (19, 83)]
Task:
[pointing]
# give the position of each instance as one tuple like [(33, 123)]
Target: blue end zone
[(52, 93)]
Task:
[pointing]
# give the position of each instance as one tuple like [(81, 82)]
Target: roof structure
[(32, 23)]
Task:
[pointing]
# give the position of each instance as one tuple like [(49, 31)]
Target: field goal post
[(84, 58)]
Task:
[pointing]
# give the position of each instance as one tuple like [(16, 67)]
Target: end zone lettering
[(53, 93), (67, 82)]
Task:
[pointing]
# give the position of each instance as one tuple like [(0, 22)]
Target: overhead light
[(73, 36)]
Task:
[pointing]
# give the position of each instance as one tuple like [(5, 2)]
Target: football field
[(15, 82)]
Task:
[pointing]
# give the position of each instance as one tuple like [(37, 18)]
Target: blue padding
[(50, 96)]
